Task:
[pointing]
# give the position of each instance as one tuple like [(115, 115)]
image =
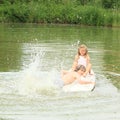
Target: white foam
[(34, 80)]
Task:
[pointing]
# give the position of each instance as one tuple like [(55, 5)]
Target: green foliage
[(109, 3), (16, 13), (57, 11), (84, 2)]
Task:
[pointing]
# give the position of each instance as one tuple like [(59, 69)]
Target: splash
[(76, 44), (36, 81)]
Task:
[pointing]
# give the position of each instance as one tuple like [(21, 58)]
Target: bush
[(51, 12), (109, 3), (17, 13)]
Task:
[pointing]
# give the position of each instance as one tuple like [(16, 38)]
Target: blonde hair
[(82, 46)]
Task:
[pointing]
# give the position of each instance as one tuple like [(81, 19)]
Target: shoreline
[(60, 24)]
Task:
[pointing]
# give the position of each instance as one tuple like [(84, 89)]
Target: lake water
[(30, 57)]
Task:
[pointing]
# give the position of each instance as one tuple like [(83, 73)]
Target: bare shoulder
[(75, 74)]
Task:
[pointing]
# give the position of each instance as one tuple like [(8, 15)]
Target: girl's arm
[(88, 67), (88, 59), (75, 63), (85, 82)]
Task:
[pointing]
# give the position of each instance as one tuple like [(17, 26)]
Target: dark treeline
[(86, 12)]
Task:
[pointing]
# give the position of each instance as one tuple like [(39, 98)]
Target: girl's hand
[(84, 75)]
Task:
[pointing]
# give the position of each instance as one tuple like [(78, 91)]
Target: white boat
[(76, 87)]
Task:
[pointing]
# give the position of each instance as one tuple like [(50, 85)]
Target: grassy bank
[(40, 12)]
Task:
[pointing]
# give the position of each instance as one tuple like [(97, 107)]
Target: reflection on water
[(32, 57)]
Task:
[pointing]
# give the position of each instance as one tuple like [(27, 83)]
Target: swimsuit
[(82, 61)]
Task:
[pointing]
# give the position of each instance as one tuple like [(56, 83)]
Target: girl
[(82, 58), (76, 75)]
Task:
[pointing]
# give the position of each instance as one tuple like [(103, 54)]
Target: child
[(82, 58), (70, 77)]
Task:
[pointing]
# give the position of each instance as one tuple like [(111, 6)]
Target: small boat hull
[(76, 87)]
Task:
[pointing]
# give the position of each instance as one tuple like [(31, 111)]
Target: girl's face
[(81, 72), (82, 51)]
